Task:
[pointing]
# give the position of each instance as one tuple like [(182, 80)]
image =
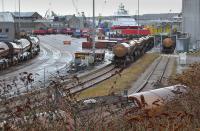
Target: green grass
[(119, 83)]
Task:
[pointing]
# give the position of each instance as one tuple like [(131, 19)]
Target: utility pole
[(3, 6), (138, 16), (94, 30), (44, 77), (19, 17), (171, 22)]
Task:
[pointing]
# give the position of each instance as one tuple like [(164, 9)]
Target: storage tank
[(191, 21)]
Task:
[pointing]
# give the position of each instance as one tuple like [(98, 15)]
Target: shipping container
[(100, 44), (135, 32)]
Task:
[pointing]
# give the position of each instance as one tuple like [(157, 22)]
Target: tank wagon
[(168, 46), (11, 53), (125, 53)]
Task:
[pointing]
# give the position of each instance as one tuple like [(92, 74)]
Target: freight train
[(12, 53), (168, 46), (125, 53)]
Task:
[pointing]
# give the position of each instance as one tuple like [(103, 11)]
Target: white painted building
[(7, 29)]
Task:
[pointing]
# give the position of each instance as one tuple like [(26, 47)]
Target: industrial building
[(7, 27), (26, 20), (191, 21)]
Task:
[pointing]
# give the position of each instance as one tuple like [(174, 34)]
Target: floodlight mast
[(93, 29)]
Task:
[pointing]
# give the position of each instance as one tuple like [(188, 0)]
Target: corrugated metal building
[(27, 20), (7, 28), (191, 21), (75, 22)]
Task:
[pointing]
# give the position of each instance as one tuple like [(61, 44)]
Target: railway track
[(74, 83), (95, 79), (156, 75), (38, 97)]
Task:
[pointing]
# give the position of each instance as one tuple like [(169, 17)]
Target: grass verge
[(197, 53), (120, 82)]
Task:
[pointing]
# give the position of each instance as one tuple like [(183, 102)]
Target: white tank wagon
[(35, 41), (4, 50), (20, 50)]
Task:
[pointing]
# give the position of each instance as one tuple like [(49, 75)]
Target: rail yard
[(111, 72), (52, 78)]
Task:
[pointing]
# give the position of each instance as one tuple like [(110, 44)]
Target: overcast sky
[(105, 8)]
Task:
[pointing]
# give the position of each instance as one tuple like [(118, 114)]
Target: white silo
[(191, 21)]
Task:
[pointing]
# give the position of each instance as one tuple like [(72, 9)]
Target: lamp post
[(171, 22), (2, 5), (93, 29), (19, 24), (138, 16)]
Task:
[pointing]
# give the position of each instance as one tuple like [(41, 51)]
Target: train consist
[(12, 53), (168, 46), (99, 44), (125, 53)]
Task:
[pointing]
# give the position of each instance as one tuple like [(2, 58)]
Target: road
[(54, 56)]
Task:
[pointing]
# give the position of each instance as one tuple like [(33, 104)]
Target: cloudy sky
[(105, 8)]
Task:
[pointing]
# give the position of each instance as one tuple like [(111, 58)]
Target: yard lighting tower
[(138, 17), (3, 6), (93, 29), (19, 24)]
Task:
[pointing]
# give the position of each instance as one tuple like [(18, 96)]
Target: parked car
[(77, 33)]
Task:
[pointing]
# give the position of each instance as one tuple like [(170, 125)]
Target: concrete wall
[(8, 35), (191, 21)]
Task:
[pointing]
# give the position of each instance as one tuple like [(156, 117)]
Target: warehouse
[(75, 22), (26, 20), (7, 28)]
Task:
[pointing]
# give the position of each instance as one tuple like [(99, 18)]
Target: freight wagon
[(125, 53), (99, 55), (100, 44)]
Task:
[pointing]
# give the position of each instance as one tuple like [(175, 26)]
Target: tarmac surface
[(54, 57)]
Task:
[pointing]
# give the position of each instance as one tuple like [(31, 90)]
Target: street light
[(94, 31), (2, 5), (19, 16), (138, 16)]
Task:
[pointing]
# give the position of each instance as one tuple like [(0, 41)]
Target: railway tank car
[(4, 49), (11, 53), (128, 52), (168, 46)]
